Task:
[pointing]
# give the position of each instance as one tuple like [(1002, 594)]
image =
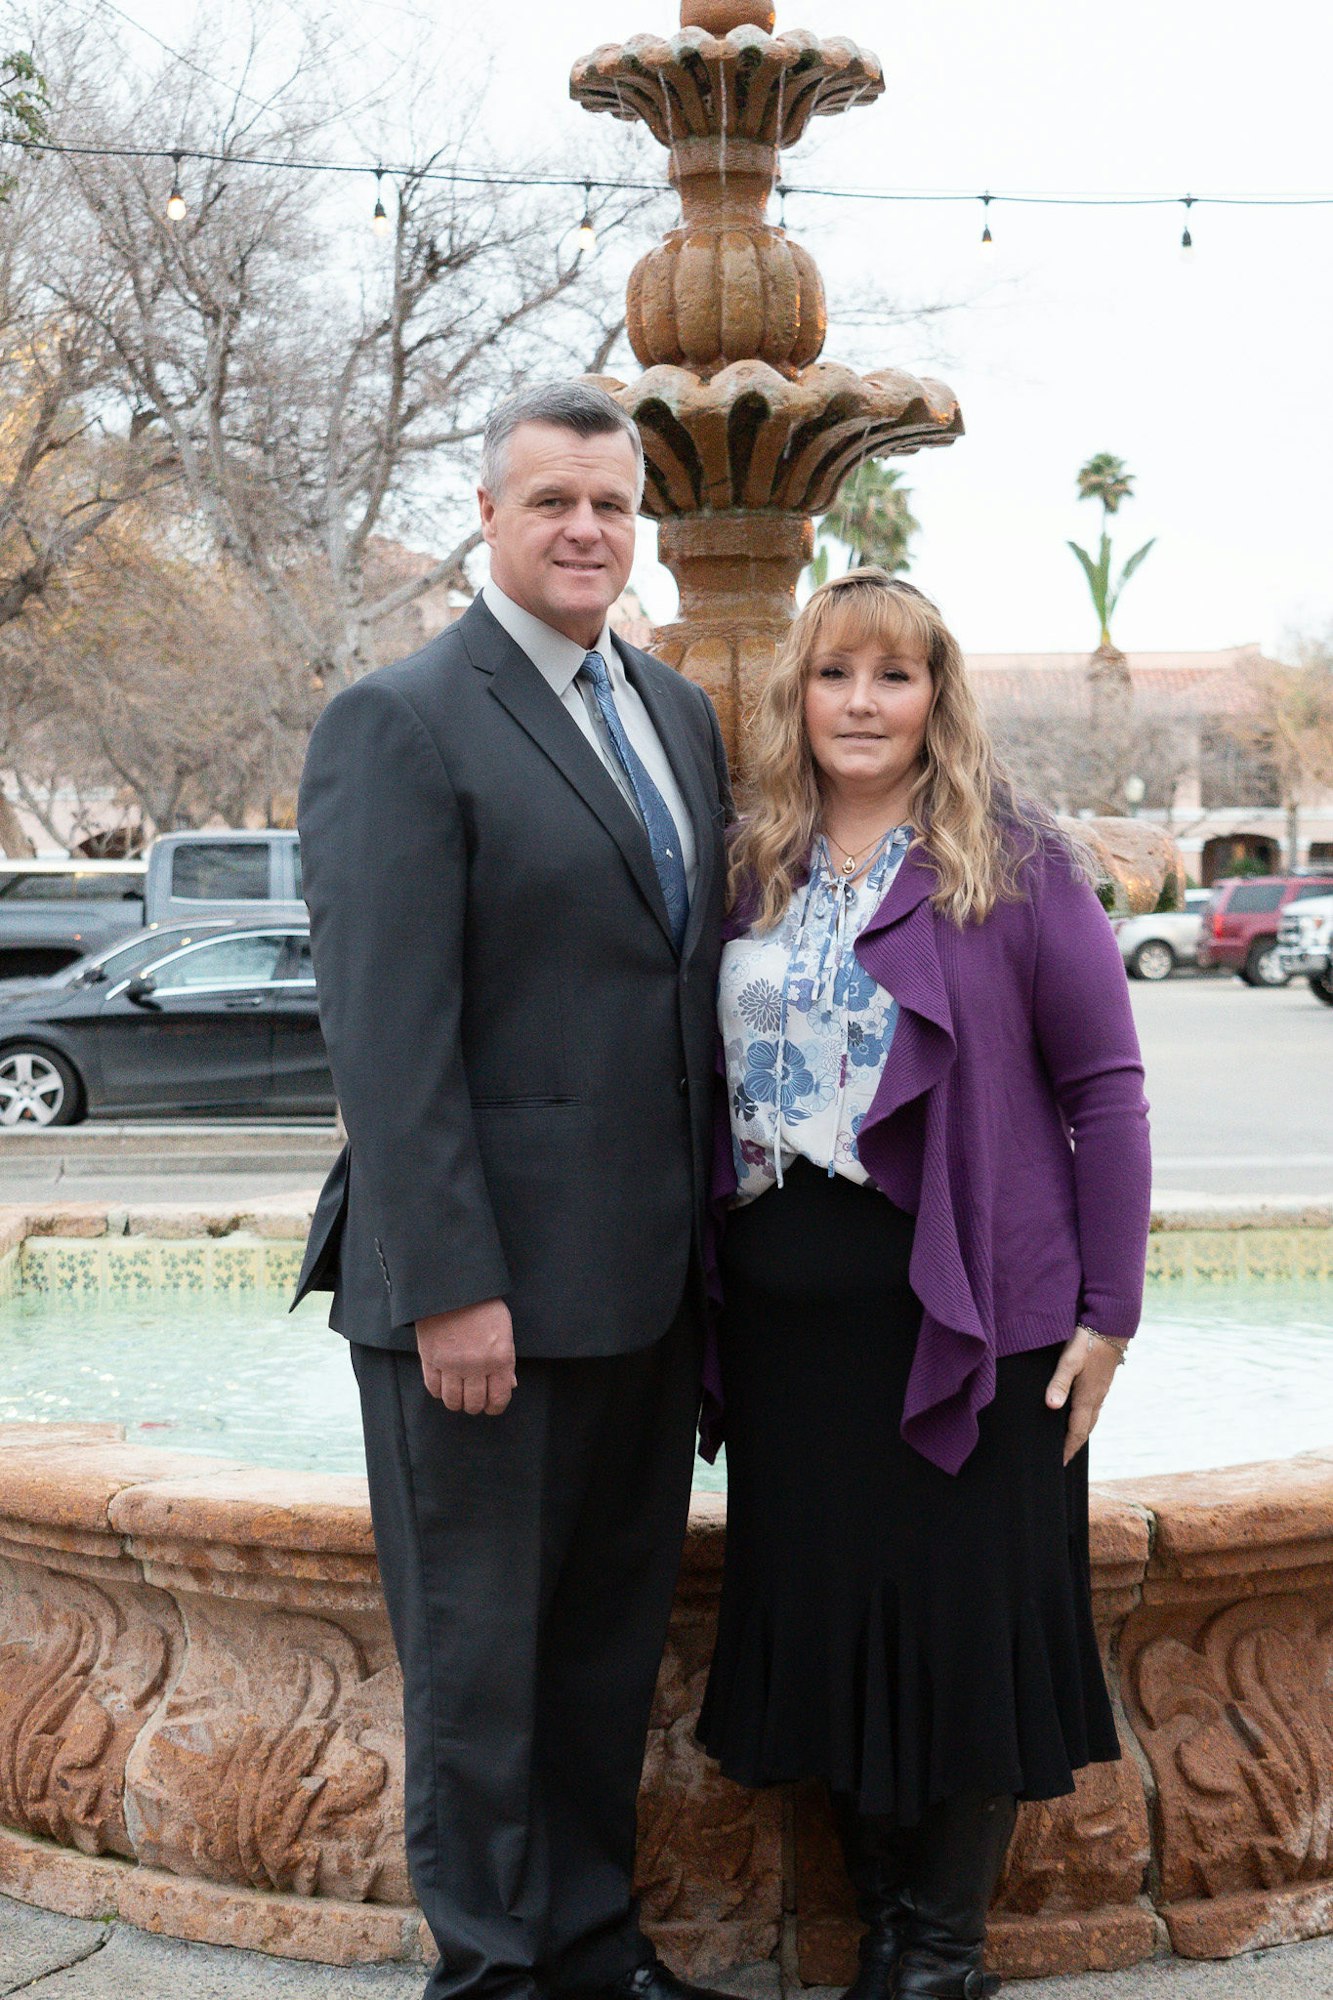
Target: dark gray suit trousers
[(528, 1563)]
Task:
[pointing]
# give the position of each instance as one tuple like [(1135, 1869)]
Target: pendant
[(849, 865)]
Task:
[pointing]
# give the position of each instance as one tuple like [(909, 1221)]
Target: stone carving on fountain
[(276, 1761), (303, 1765), (746, 432), (82, 1666), (1228, 1686)]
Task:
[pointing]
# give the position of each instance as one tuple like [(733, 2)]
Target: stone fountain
[(746, 432), (200, 1703)]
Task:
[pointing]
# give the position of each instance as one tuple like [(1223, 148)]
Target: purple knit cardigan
[(1011, 1121)]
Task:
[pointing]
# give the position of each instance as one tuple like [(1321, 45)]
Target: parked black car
[(186, 1018), (113, 961)]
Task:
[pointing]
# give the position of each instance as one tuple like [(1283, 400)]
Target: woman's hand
[(1085, 1368)]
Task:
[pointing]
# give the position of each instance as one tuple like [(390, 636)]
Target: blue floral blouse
[(805, 1028)]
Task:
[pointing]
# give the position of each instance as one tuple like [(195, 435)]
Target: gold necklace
[(851, 861)]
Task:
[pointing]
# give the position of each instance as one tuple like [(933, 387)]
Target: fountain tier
[(746, 434)]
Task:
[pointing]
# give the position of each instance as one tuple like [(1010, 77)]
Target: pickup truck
[(1305, 944), (53, 912)]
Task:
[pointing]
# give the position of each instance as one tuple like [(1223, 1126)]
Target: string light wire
[(480, 178)]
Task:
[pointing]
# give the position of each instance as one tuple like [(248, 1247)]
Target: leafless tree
[(316, 388), (1072, 747), (71, 454), (153, 676), (1291, 726)]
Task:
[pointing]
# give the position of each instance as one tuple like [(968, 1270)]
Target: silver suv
[(1305, 944)]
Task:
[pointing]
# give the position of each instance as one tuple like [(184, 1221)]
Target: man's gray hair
[(573, 406)]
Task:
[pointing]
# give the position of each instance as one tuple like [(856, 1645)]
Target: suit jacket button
[(684, 1086)]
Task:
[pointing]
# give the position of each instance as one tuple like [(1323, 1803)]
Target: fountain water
[(747, 433)]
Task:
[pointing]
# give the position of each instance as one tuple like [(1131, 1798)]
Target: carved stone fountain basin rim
[(78, 1503)]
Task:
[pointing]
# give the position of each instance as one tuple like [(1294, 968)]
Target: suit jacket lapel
[(520, 688), (688, 775)]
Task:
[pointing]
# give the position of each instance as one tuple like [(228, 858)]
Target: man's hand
[(467, 1357)]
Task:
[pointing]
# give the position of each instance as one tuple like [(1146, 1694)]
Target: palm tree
[(873, 518), (1106, 478)]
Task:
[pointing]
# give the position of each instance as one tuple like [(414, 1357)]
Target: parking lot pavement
[(183, 1160), (1240, 1081)]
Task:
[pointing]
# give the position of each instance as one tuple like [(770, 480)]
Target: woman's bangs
[(871, 615)]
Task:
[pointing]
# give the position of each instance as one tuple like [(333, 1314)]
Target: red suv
[(1239, 927)]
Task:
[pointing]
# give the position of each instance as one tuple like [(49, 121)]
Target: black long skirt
[(901, 1632)]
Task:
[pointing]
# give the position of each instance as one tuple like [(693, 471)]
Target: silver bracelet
[(1108, 1340)]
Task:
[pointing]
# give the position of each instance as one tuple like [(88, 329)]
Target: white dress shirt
[(558, 660)]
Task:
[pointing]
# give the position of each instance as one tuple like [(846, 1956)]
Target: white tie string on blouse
[(805, 1028)]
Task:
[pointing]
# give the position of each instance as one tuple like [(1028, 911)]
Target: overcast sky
[(1084, 331)]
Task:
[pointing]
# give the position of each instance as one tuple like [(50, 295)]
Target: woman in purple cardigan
[(935, 1185)]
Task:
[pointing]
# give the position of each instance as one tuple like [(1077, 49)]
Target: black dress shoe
[(656, 1981)]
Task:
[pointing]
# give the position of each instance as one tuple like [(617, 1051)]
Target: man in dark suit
[(513, 858)]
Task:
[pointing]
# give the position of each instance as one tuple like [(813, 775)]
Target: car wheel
[(1263, 967), (38, 1087), (1321, 985), (1154, 959)]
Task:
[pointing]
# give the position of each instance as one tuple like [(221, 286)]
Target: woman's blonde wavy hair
[(975, 827)]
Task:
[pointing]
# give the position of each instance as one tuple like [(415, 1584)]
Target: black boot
[(960, 1850), (877, 1855)]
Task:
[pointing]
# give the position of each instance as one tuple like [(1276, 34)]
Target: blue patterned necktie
[(662, 835)]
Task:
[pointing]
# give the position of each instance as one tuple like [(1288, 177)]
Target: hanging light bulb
[(379, 221), (586, 238), (176, 209), (987, 240), (1186, 240)]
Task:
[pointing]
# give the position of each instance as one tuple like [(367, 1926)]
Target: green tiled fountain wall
[(126, 1267), (129, 1266), (1227, 1254)]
